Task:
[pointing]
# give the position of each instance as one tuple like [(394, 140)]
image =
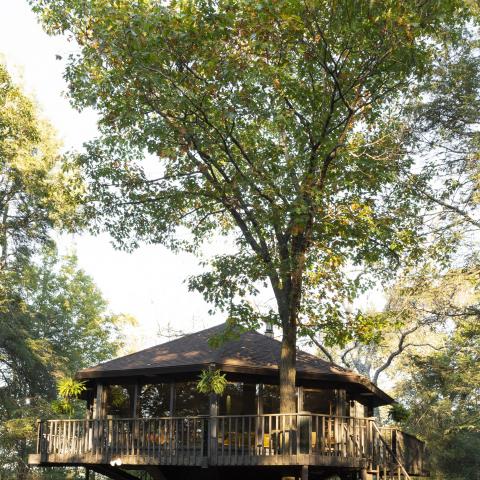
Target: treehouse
[(145, 415)]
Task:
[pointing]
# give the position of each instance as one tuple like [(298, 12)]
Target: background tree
[(417, 321), (427, 298), (53, 321), (53, 318), (442, 395), (278, 124), (37, 192)]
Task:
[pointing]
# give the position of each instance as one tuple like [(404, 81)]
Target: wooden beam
[(113, 472)]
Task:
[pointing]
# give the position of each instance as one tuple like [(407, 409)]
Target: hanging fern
[(69, 390), (212, 381)]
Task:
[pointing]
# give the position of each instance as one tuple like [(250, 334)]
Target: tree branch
[(322, 348)]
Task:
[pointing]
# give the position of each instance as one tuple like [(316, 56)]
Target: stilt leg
[(304, 472)]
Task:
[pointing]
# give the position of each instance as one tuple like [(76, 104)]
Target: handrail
[(301, 414), (219, 440)]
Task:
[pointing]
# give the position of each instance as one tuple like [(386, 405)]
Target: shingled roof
[(248, 353)]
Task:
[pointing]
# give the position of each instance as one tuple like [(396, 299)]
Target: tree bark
[(288, 368)]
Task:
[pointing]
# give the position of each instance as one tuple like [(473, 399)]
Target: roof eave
[(341, 378)]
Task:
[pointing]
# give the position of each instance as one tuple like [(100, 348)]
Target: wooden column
[(172, 398), (134, 404), (213, 441), (99, 402), (258, 419), (304, 474), (259, 398), (299, 399), (341, 399)]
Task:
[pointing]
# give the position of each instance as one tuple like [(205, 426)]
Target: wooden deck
[(277, 439)]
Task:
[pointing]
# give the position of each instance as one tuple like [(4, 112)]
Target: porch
[(229, 440)]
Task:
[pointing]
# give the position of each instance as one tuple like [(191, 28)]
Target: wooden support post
[(304, 475), (341, 402), (258, 420), (134, 405), (99, 402), (259, 399), (213, 440), (299, 399), (172, 399), (363, 474), (87, 473)]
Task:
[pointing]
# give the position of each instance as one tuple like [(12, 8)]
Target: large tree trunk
[(288, 301), (288, 369)]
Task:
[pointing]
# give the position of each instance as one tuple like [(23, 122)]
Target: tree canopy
[(36, 192), (282, 125)]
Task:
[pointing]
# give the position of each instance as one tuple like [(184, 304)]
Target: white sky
[(147, 284)]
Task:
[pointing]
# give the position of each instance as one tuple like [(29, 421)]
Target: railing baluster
[(182, 440), (167, 444), (242, 444), (169, 431)]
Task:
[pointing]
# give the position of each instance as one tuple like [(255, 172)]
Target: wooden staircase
[(388, 466)]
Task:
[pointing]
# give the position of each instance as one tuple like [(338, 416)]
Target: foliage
[(416, 319), (119, 397), (69, 390), (48, 330), (212, 381), (83, 330), (398, 413), (53, 318), (282, 125), (36, 189), (443, 396)]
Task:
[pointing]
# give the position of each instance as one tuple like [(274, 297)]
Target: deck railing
[(229, 440)]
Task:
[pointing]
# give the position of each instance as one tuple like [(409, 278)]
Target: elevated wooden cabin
[(144, 413)]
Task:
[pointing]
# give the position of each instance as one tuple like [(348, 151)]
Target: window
[(271, 398), (319, 401), (155, 400), (117, 401), (239, 399), (189, 401)]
